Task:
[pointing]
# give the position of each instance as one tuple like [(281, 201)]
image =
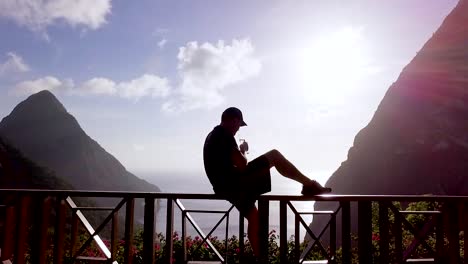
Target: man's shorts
[(253, 182)]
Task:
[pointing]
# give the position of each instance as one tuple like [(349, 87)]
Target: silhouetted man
[(242, 182)]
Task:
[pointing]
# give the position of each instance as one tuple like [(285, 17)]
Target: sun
[(333, 64)]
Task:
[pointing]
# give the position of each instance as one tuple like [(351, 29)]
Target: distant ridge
[(42, 129), (417, 140), (17, 172)]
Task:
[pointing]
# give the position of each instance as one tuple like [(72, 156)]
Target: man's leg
[(285, 167), (252, 229)]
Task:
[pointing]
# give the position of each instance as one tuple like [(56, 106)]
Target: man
[(242, 182)]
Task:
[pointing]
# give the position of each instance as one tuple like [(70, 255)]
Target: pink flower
[(134, 250), (375, 237)]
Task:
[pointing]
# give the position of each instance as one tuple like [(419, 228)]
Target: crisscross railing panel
[(419, 235), (205, 238), (94, 234), (365, 254), (18, 228), (316, 239)]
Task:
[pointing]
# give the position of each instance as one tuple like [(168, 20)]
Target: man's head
[(232, 119)]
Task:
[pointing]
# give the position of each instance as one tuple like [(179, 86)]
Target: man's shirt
[(217, 158)]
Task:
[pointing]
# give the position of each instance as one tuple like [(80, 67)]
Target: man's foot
[(314, 189)]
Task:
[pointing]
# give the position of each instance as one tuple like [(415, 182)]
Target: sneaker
[(314, 189)]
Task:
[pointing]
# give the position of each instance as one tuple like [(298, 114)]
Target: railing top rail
[(357, 197), (208, 196)]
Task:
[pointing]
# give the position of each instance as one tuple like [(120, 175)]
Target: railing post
[(346, 231), (40, 239), (184, 235), (263, 210), (297, 242), (148, 231), (398, 237), (333, 238), (241, 237), (439, 238), (9, 234), (22, 233), (74, 233), (365, 231), (283, 232), (129, 218), (59, 231), (383, 231), (453, 234), (226, 240), (464, 221), (169, 230), (114, 235)]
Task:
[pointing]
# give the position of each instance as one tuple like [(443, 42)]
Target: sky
[(148, 79)]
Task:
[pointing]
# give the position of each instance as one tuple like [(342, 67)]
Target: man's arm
[(238, 159)]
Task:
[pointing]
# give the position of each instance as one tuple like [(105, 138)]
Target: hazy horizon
[(171, 184), (171, 181)]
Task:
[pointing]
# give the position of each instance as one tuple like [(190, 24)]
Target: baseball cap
[(233, 112)]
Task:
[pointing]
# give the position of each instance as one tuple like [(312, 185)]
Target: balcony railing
[(26, 216)]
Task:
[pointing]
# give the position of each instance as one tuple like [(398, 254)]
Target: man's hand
[(244, 147), (238, 157)]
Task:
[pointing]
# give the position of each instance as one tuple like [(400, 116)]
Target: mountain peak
[(46, 133), (45, 94), (45, 100), (42, 129), (39, 106)]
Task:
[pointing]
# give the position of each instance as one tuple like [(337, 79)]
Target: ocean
[(197, 182)]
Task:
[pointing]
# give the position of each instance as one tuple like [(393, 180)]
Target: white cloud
[(207, 69), (98, 86), (30, 87), (162, 43), (38, 14), (146, 85), (14, 63)]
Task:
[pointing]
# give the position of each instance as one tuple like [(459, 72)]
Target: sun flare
[(334, 63)]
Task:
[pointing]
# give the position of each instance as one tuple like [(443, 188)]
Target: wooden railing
[(26, 216)]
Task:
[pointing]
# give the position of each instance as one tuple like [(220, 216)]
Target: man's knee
[(273, 155)]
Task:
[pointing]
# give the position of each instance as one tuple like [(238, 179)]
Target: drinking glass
[(242, 140)]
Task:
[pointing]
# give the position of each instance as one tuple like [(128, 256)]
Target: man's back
[(217, 151)]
